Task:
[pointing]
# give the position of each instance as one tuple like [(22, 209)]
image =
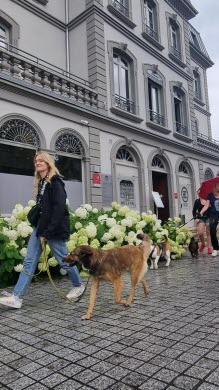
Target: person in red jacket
[(53, 226)]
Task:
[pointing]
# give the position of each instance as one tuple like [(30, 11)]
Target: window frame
[(152, 35), (115, 11), (198, 95), (12, 27), (121, 50), (185, 135), (154, 78), (175, 53)]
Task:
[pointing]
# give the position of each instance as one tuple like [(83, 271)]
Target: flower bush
[(104, 229)]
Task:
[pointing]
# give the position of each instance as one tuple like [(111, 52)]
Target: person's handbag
[(33, 215)]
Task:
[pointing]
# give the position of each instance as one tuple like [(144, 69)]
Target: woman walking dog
[(212, 204), (202, 223), (53, 225)]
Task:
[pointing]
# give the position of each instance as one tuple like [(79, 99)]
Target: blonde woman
[(212, 205), (53, 226)]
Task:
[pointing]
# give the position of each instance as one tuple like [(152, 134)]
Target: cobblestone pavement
[(166, 341)]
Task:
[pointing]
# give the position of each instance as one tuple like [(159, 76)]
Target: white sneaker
[(214, 253), (11, 301), (76, 292)]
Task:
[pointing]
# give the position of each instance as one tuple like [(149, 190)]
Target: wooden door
[(160, 184)]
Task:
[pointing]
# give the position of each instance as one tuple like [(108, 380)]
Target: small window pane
[(70, 168), (116, 78), (16, 160)]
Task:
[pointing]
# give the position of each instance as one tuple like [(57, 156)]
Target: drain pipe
[(67, 36)]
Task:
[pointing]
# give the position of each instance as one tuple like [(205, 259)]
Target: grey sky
[(206, 22)]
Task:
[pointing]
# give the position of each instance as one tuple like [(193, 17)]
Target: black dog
[(193, 248)]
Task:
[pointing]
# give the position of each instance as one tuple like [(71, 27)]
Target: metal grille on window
[(18, 130), (208, 174), (124, 154), (69, 143), (158, 163), (183, 169), (122, 6)]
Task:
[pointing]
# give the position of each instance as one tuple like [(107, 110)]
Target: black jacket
[(54, 220), (197, 208)]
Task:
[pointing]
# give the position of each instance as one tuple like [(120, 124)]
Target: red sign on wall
[(96, 178), (175, 195)]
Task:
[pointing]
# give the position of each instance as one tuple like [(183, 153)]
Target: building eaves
[(184, 8)]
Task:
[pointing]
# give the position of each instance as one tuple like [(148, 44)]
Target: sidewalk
[(168, 340)]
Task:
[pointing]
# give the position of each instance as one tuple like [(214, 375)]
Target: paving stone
[(53, 380), (185, 382), (21, 383), (68, 385), (153, 384), (208, 386), (207, 363), (134, 379), (120, 386), (197, 372), (102, 382), (86, 376), (117, 372), (165, 375), (41, 373), (214, 377)]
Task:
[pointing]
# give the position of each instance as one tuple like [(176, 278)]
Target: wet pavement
[(166, 341)]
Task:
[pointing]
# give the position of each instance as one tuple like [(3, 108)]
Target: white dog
[(164, 249)]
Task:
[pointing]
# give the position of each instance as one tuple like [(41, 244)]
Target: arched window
[(125, 155), (18, 130), (69, 143), (183, 169), (157, 163), (208, 174)]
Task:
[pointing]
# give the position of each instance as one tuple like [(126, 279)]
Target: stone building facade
[(116, 90)]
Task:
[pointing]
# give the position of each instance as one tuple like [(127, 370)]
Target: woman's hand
[(196, 220)]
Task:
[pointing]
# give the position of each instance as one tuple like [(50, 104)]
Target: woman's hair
[(214, 191), (52, 170)]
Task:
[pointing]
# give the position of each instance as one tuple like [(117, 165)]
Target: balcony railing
[(205, 142), (153, 34), (175, 52), (181, 129), (124, 104), (26, 68), (157, 118), (120, 7)]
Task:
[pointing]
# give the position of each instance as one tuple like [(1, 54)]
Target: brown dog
[(111, 264)]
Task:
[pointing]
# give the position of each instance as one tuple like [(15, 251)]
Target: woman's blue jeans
[(34, 250)]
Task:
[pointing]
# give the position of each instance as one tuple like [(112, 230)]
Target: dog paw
[(156, 267), (86, 317), (152, 267)]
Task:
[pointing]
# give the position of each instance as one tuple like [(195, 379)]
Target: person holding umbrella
[(202, 223), (212, 205)]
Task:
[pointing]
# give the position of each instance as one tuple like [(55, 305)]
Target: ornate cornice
[(184, 8)]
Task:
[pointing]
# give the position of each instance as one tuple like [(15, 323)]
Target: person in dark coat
[(53, 226), (202, 223)]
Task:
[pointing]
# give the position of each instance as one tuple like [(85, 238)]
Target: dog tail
[(144, 237)]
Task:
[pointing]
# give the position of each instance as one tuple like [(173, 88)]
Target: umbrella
[(207, 187)]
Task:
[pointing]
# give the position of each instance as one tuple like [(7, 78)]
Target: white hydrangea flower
[(114, 215), (126, 222), (23, 252), (19, 207), (23, 229), (149, 212), (63, 272), (88, 207), (123, 210), (81, 212), (11, 234), (177, 219), (52, 262), (78, 225), (67, 202), (110, 222), (103, 217), (95, 211), (115, 205), (106, 237), (71, 245), (91, 230), (31, 203), (95, 244), (109, 245), (19, 268), (142, 224)]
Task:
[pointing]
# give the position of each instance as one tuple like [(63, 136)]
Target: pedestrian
[(202, 223), (53, 226), (212, 205)]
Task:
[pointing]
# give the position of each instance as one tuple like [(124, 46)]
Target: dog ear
[(86, 250)]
